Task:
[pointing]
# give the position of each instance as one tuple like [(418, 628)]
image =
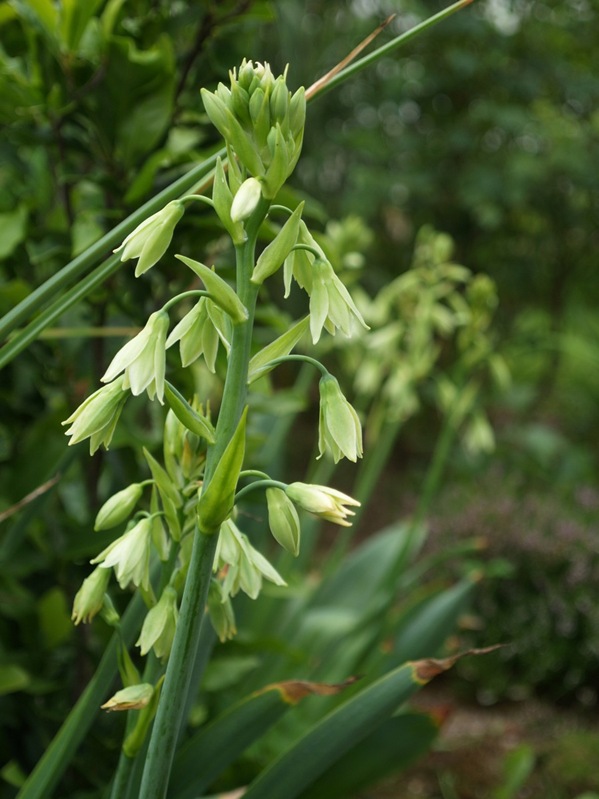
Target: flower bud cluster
[(261, 121)]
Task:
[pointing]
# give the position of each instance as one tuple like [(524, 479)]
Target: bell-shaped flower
[(129, 555), (243, 566), (149, 241), (283, 520), (322, 501), (220, 610), (89, 599), (199, 332), (339, 428), (143, 359), (96, 418), (158, 629), (331, 305)]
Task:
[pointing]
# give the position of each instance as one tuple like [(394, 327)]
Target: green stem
[(182, 661)]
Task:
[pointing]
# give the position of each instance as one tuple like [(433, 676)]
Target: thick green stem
[(182, 661)]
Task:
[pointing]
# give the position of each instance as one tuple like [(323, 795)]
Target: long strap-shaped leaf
[(342, 729), (79, 265), (211, 750), (47, 773)]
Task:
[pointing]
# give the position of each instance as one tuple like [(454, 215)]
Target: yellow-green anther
[(89, 599), (187, 416), (283, 520), (246, 200), (222, 197), (216, 501), (118, 508), (272, 257), (220, 291)]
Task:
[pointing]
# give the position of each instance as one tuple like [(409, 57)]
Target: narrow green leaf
[(220, 291), (392, 747), (87, 259), (342, 729), (214, 747), (427, 627), (59, 754)]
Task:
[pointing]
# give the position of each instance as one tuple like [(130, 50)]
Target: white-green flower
[(331, 305), (149, 241), (96, 418), (242, 564), (199, 332), (159, 626), (143, 359), (339, 428), (129, 555), (220, 609), (322, 501), (90, 597)]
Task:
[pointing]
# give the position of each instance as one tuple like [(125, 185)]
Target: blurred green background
[(486, 128)]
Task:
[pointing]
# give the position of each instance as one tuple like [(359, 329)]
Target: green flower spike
[(143, 359), (159, 626), (339, 429), (89, 599), (97, 417), (322, 501), (129, 555), (149, 241)]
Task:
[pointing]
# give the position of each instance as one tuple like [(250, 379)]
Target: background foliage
[(496, 143)]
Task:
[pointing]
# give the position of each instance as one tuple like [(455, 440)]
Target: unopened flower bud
[(118, 508), (246, 200), (283, 520)]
